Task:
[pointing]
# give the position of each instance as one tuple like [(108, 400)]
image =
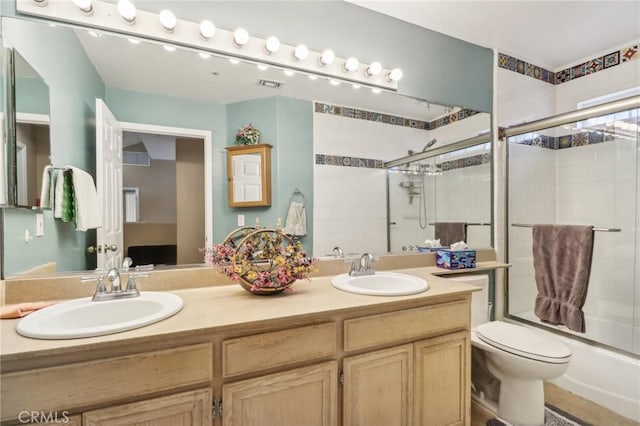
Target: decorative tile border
[(513, 64), (567, 141), (339, 160), (591, 66), (459, 163), (343, 111)]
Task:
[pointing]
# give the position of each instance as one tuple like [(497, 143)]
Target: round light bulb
[(167, 20), (313, 77), (334, 82), (234, 61), (127, 10), (300, 53), (351, 64), (84, 5), (374, 69), (289, 73), (376, 90), (204, 55), (272, 45), (327, 57), (263, 67), (395, 74), (355, 86), (169, 48), (207, 29), (240, 37)]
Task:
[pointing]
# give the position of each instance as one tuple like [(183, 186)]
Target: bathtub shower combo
[(582, 168)]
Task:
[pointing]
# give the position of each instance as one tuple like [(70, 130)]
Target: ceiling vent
[(273, 84)]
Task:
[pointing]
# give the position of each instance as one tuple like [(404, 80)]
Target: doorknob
[(100, 249)]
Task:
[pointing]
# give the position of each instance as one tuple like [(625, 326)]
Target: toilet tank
[(480, 310)]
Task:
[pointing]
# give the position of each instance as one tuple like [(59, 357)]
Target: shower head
[(429, 144)]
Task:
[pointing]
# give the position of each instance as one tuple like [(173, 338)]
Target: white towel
[(88, 215), (296, 220), (58, 193), (45, 191)]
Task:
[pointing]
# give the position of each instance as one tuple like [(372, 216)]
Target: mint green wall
[(437, 68), (32, 95), (74, 84), (287, 124), (295, 158)]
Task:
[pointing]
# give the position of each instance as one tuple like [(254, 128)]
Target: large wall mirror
[(179, 110), (32, 132)]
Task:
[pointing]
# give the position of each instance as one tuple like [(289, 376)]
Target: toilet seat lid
[(524, 342)]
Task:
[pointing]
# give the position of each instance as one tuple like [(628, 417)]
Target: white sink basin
[(381, 284), (85, 318)]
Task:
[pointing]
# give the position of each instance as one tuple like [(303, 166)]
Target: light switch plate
[(39, 224), (240, 220)]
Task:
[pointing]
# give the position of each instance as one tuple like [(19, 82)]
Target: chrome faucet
[(116, 291), (113, 275), (364, 266), (337, 252)]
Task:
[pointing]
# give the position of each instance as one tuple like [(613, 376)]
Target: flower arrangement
[(265, 261), (248, 135)]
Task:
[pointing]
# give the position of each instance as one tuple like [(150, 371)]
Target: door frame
[(208, 162)]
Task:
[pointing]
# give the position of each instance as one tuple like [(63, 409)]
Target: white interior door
[(247, 179), (109, 185)]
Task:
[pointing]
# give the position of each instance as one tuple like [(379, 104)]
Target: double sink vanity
[(315, 356)]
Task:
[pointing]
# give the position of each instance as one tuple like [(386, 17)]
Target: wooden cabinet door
[(182, 409), (378, 388), (305, 396), (442, 381)]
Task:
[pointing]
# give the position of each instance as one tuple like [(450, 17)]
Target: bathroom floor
[(566, 401)]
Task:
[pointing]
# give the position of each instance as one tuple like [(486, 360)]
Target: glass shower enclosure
[(582, 171)]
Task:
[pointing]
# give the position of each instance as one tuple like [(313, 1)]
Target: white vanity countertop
[(232, 308)]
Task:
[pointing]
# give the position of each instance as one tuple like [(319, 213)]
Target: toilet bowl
[(520, 358)]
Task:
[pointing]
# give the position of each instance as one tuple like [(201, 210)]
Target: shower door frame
[(629, 103)]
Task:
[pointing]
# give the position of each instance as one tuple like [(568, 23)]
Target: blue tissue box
[(422, 249), (456, 259)]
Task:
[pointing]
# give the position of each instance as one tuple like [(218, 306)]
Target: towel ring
[(297, 193)]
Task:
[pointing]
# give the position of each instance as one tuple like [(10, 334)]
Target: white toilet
[(521, 358)]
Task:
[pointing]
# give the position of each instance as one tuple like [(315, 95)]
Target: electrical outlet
[(39, 224), (240, 220)]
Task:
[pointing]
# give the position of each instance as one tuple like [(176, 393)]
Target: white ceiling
[(551, 34), (148, 67)]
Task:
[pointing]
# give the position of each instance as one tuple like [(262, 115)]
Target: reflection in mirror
[(451, 188), (249, 175), (329, 142), (33, 150)]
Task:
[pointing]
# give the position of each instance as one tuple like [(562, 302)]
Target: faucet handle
[(100, 287), (131, 282)]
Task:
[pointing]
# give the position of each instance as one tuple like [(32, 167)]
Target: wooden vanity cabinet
[(181, 409), (423, 383), (409, 366), (303, 396), (378, 387)]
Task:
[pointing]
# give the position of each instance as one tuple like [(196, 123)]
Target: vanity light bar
[(186, 33)]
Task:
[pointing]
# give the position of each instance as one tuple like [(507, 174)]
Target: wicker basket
[(262, 263)]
